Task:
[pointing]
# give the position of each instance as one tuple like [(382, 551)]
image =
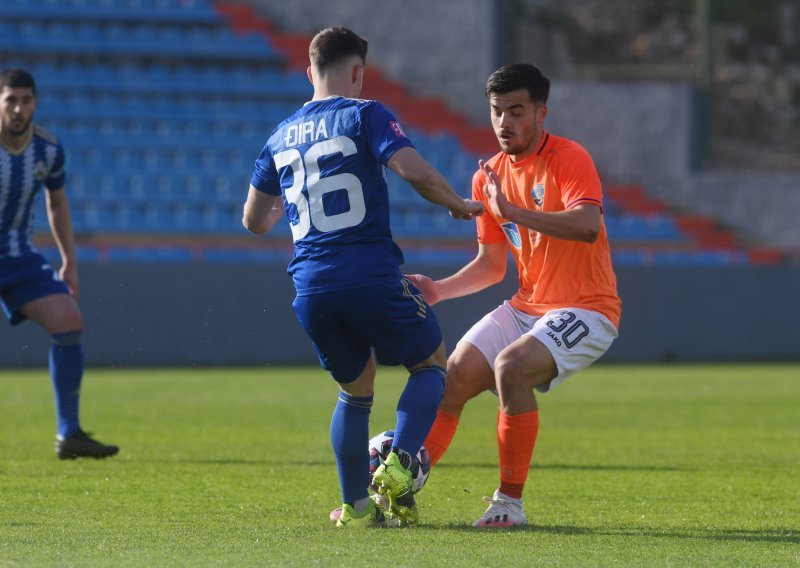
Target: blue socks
[(66, 371), (350, 440), (416, 411)]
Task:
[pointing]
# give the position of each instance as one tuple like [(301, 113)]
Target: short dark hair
[(17, 79), (334, 44), (519, 76)]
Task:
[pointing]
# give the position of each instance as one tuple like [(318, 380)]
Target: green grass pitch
[(683, 465)]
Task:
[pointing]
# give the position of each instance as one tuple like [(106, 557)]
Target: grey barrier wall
[(214, 314), (437, 48)]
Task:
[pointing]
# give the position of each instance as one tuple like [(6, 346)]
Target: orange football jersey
[(553, 273)]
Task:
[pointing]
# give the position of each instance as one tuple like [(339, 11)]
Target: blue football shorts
[(24, 279), (391, 319)]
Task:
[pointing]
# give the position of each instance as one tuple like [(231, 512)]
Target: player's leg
[(470, 370), (352, 366), (417, 406), (519, 368), (468, 375), (558, 345), (349, 438), (60, 316), (403, 330), (33, 290)]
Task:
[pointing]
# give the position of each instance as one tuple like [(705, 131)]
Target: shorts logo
[(422, 306), (552, 336), (512, 232), (537, 193), (397, 128)]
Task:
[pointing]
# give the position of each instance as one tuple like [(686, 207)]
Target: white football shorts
[(575, 337)]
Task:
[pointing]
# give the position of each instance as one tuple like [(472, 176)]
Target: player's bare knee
[(462, 385), (513, 372), (69, 320)]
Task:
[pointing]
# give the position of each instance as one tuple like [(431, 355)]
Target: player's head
[(338, 56), (17, 101), (517, 96)]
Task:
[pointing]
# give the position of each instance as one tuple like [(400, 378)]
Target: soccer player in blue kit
[(29, 288), (324, 168)]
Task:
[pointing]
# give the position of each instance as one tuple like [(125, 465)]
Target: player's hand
[(498, 204), (69, 275), (469, 211), (429, 288)]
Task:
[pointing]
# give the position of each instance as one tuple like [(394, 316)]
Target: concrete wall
[(424, 45), (634, 132), (214, 314)]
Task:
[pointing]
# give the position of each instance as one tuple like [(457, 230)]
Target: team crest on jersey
[(40, 171), (537, 193), (397, 128), (512, 232)]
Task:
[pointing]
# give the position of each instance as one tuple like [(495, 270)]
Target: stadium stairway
[(163, 106), (642, 229)]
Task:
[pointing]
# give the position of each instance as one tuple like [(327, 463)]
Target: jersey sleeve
[(577, 177), (384, 134), (58, 175), (265, 174), (489, 230)]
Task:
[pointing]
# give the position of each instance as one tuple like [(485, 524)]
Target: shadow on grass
[(778, 535), (484, 465), (260, 462), (572, 467)]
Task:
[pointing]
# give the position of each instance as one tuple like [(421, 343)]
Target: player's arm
[(486, 269), (261, 211), (60, 219), (430, 184), (580, 223)]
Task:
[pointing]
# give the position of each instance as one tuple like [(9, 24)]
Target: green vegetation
[(635, 466)]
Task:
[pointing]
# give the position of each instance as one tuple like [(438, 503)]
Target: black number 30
[(574, 333)]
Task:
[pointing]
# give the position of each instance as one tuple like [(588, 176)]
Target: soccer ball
[(379, 448)]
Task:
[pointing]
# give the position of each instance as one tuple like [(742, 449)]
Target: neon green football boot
[(372, 516), (396, 482)]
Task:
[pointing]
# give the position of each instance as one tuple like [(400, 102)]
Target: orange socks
[(440, 436), (516, 436)]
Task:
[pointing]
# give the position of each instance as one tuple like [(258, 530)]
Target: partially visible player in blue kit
[(29, 288), (324, 168)]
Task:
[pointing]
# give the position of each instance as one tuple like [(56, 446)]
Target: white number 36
[(306, 172)]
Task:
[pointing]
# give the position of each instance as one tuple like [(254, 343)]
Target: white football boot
[(503, 511)]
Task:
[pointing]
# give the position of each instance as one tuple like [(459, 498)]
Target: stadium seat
[(163, 107)]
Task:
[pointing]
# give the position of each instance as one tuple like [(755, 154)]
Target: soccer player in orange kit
[(544, 204)]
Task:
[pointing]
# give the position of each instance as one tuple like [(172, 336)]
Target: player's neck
[(15, 143), (327, 88)]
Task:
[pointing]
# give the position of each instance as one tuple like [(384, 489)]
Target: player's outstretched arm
[(581, 223), (486, 269), (430, 184), (261, 211), (60, 219)]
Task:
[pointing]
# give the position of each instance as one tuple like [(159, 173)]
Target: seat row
[(261, 82), (156, 11), (168, 41)]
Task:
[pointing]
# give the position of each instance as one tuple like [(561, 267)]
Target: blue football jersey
[(328, 162), (22, 175)]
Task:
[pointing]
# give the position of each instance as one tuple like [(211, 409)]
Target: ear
[(357, 73), (310, 75), (541, 113)]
